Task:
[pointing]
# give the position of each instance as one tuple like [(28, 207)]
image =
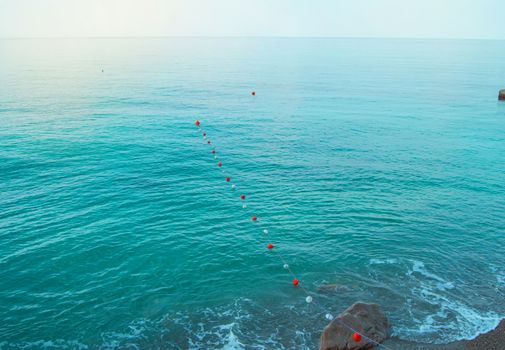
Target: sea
[(376, 165)]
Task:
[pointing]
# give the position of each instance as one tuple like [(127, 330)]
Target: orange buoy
[(253, 93), (219, 164), (296, 282), (254, 218), (228, 179), (197, 123), (357, 337), (270, 246), (242, 196)]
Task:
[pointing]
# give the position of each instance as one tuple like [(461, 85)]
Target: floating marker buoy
[(270, 246), (286, 266), (242, 197), (220, 164), (265, 231), (244, 206), (197, 123), (308, 299), (329, 317), (357, 337), (253, 93), (228, 179), (204, 134), (254, 218), (296, 282), (208, 142), (213, 151)]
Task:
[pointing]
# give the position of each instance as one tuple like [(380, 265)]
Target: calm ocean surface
[(378, 165)]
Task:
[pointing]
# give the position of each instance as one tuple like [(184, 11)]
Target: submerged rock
[(332, 288), (501, 95), (367, 319)]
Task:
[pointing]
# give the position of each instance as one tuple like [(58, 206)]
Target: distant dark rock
[(367, 319), (501, 95)]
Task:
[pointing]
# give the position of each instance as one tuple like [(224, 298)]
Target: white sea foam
[(232, 342), (454, 318), (500, 275), (58, 344), (419, 267)]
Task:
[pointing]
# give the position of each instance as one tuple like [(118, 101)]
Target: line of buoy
[(356, 336)]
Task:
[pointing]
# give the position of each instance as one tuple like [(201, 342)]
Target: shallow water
[(376, 164)]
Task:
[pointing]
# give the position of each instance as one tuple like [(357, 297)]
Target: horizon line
[(243, 36)]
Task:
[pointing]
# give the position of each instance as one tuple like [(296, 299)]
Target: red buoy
[(219, 164), (253, 93), (295, 282), (213, 151), (357, 337), (197, 123), (254, 218), (242, 196), (270, 246), (228, 179)]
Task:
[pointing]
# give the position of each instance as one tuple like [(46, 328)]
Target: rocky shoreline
[(369, 319), (492, 340)]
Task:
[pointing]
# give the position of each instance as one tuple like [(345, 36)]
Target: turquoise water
[(378, 165)]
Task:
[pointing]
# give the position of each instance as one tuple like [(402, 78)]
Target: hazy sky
[(343, 18)]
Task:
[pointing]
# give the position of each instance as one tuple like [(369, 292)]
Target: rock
[(332, 288), (501, 95), (367, 319)]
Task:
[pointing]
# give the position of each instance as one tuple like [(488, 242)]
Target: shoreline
[(492, 340)]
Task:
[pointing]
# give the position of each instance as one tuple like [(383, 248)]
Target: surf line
[(357, 336)]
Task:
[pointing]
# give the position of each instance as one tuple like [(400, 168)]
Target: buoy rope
[(357, 335)]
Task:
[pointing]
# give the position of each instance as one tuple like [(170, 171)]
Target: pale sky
[(321, 18)]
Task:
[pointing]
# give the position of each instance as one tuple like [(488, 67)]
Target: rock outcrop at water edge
[(366, 319)]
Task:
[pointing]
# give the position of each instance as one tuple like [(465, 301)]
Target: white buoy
[(308, 299)]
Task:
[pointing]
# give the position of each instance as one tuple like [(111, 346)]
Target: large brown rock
[(501, 95), (367, 319)]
